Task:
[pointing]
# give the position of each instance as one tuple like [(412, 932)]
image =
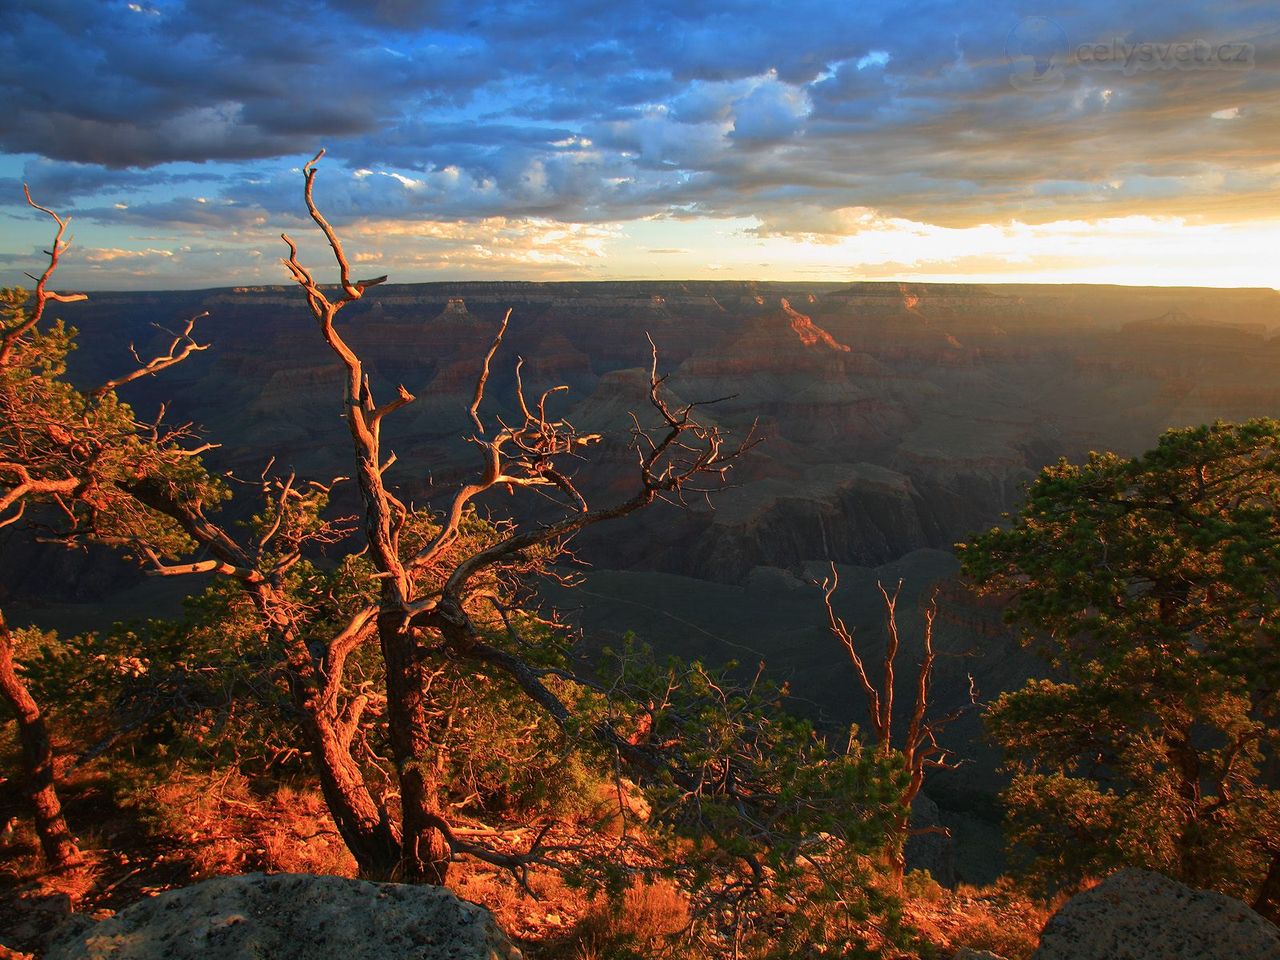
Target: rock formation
[(292, 917), (900, 419), (1140, 915), (454, 309), (810, 334)]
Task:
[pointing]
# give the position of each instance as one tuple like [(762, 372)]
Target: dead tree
[(919, 749), (410, 621), (435, 598)]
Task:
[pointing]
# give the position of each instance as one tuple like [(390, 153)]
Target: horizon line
[(287, 285)]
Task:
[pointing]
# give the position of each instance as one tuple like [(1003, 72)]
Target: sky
[(1102, 141)]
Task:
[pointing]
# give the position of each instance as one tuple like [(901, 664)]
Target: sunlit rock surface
[(1140, 915), (293, 917)]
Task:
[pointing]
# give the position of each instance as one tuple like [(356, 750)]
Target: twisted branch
[(182, 346)]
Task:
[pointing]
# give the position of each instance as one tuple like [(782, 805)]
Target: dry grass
[(654, 910), (230, 829), (169, 834), (302, 838), (496, 890), (647, 921), (997, 918)]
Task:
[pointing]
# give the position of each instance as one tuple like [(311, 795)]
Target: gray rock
[(934, 852), (1140, 915), (293, 917)]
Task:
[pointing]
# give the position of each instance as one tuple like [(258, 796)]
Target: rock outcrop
[(958, 392), (455, 309), (292, 917), (1140, 915), (810, 333)]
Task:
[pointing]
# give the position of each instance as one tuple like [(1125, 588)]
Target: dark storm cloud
[(231, 80), (589, 110), (54, 182)]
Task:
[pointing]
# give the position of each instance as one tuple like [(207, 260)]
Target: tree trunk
[(1267, 902), (363, 824), (896, 852), (897, 863), (37, 759), (1186, 761), (425, 848)]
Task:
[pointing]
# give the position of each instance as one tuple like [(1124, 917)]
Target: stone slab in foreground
[(292, 917), (1140, 915)]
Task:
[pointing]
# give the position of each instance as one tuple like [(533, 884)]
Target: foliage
[(1156, 584), (920, 885), (788, 831), (211, 687), (74, 449), (401, 653)]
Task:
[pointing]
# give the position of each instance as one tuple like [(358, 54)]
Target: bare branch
[(357, 630), (42, 295), (890, 656), (842, 633), (161, 569), (484, 371), (183, 346), (403, 397), (924, 675), (309, 172)]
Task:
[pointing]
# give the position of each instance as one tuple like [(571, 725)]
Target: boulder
[(1140, 915), (292, 917)]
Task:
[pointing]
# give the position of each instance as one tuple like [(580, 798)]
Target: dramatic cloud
[(191, 116)]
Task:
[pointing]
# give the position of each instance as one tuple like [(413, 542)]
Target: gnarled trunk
[(362, 822), (37, 759), (425, 844)]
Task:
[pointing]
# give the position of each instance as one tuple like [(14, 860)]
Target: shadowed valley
[(899, 419)]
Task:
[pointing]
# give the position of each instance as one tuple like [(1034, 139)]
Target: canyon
[(898, 419)]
